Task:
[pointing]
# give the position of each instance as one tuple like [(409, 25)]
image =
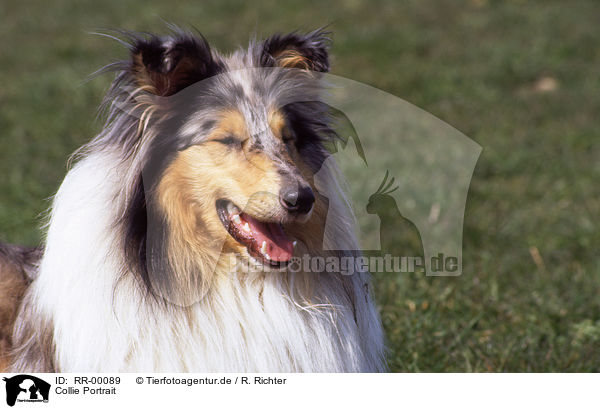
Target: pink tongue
[(278, 246)]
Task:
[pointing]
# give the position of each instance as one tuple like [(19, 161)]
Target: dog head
[(225, 148)]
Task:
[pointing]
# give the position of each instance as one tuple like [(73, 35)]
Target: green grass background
[(520, 78)]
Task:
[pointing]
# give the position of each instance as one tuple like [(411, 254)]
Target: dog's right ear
[(165, 66), (294, 50)]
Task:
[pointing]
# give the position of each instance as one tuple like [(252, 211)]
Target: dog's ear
[(165, 66), (308, 51)]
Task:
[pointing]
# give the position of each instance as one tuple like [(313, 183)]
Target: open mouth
[(266, 242)]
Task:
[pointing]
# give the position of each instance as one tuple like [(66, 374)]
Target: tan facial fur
[(204, 173)]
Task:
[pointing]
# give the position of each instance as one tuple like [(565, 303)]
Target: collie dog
[(169, 242)]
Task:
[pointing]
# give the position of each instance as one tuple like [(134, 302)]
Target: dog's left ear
[(165, 66), (305, 51)]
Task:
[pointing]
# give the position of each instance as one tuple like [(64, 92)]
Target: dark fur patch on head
[(310, 122), (165, 66), (294, 50), (208, 125)]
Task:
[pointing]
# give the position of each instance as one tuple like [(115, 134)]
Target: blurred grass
[(519, 77)]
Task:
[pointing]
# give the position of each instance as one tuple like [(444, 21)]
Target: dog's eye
[(227, 140), (287, 136)]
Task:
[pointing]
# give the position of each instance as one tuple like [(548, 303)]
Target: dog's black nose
[(297, 199)]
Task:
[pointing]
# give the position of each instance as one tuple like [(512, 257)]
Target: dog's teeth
[(294, 243), (263, 250), (232, 209), (236, 218), (246, 227)]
